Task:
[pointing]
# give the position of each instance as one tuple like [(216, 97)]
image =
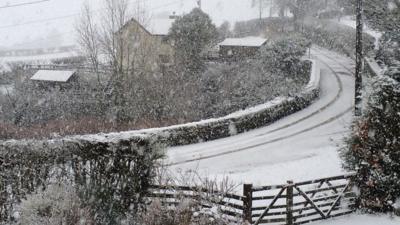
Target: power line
[(70, 16), (39, 21), (23, 4)]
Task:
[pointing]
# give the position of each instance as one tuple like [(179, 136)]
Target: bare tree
[(104, 40), (88, 38)]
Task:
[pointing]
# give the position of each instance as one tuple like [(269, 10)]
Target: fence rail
[(290, 203), (102, 69)]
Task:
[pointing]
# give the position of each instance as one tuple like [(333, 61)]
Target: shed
[(238, 48), (58, 76)]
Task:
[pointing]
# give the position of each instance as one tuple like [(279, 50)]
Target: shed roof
[(246, 42), (53, 75)]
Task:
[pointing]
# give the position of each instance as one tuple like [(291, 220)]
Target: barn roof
[(245, 42), (53, 75)]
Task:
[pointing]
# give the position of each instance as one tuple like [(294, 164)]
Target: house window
[(164, 59), (164, 40)]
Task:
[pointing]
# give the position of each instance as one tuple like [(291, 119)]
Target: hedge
[(111, 176)]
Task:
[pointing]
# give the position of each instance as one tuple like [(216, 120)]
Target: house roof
[(246, 42), (53, 75), (159, 26), (155, 26)]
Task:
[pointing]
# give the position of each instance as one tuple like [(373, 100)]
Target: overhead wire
[(70, 16), (23, 4)]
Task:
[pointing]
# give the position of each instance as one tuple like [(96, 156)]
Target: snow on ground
[(359, 219), (42, 59), (299, 147)]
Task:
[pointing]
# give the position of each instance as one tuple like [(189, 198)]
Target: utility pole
[(359, 59)]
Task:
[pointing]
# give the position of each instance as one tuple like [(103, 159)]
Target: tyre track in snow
[(327, 121), (317, 49), (333, 101)]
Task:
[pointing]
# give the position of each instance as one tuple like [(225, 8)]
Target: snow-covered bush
[(110, 175), (389, 49), (187, 212), (374, 147), (57, 204), (203, 208), (285, 55)]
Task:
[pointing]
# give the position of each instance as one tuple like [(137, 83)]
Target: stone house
[(147, 44)]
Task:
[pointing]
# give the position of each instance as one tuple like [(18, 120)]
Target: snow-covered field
[(299, 147), (41, 59), (359, 219)]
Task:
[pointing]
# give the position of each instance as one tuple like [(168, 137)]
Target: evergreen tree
[(374, 148), (191, 34), (285, 55)]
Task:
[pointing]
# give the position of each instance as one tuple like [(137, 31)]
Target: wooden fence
[(89, 69), (229, 205), (290, 203)]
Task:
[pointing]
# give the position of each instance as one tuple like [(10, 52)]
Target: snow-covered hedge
[(240, 121), (110, 175)]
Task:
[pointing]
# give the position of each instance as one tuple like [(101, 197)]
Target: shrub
[(111, 176), (201, 209), (374, 148), (285, 55), (57, 204), (188, 212)]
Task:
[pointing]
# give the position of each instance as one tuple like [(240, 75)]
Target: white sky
[(19, 26)]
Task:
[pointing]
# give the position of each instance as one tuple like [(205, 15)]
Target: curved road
[(301, 146)]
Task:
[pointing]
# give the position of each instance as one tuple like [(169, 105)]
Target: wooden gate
[(303, 202), (290, 203)]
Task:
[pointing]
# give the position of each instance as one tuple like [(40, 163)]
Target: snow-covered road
[(298, 147)]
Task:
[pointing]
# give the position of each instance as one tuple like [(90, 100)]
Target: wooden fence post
[(247, 203), (289, 203)]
